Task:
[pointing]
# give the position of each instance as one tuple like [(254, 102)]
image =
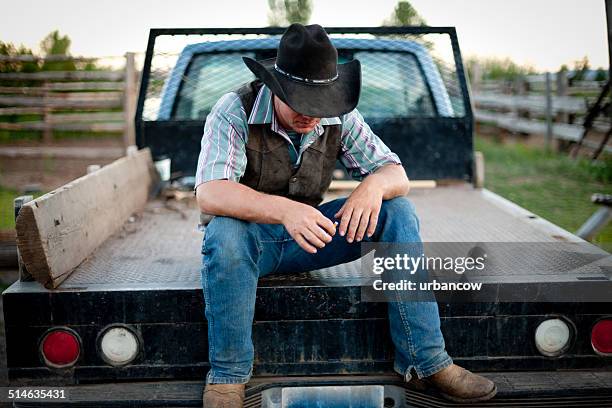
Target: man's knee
[(232, 237), (400, 210)]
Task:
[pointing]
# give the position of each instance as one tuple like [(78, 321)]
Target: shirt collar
[(263, 111)]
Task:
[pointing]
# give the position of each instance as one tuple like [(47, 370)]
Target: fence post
[(129, 100), (476, 77), (562, 85), (548, 112), (47, 131)]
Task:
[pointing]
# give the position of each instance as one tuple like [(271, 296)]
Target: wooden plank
[(22, 90), (66, 152), (55, 102), (64, 75), (21, 111), (62, 88), (85, 86), (529, 126), (86, 117), (71, 127), (532, 103), (59, 230), (352, 184), (562, 131)]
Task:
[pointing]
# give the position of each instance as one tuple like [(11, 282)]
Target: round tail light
[(60, 348), (118, 345), (552, 337), (601, 337)]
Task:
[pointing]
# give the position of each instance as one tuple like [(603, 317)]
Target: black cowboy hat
[(306, 74)]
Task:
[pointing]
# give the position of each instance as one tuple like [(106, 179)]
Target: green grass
[(7, 219), (550, 185), (10, 136), (7, 212)]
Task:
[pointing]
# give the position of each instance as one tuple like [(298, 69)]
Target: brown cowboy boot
[(460, 385), (223, 396)]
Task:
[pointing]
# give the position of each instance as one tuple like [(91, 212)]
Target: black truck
[(126, 326)]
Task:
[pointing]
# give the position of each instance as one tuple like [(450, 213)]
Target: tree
[(285, 12), (404, 14), (10, 50), (55, 44), (498, 68), (581, 67)]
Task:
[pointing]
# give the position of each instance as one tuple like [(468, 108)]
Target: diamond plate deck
[(161, 246)]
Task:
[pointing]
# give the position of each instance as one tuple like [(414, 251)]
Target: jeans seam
[(280, 257), (407, 331), (211, 331)]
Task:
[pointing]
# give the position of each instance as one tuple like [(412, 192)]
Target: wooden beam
[(67, 127), (85, 86), (352, 184), (59, 230), (63, 102), (64, 75), (86, 117), (21, 111)]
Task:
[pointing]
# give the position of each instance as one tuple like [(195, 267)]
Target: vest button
[(293, 179)]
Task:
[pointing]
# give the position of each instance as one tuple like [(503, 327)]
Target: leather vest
[(269, 168)]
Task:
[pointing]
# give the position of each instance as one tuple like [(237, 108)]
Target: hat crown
[(307, 52)]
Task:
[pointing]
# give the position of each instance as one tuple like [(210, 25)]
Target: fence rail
[(77, 101), (547, 104)]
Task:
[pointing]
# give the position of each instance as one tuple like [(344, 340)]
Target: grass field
[(550, 185)]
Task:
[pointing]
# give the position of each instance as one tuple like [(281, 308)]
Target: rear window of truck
[(393, 84)]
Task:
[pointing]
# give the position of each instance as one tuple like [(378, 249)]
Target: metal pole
[(549, 133)]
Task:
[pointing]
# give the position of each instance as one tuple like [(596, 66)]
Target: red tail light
[(60, 348), (601, 337)]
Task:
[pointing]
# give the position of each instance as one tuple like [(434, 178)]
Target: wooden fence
[(546, 104), (78, 101)]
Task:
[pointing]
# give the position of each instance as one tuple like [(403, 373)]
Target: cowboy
[(267, 157)]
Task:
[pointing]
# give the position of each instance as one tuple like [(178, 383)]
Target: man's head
[(306, 75), (292, 120)]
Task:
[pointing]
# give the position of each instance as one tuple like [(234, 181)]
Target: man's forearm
[(392, 179), (232, 199)]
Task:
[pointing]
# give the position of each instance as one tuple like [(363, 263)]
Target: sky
[(541, 33)]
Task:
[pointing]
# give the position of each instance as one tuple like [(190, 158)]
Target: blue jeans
[(235, 253)]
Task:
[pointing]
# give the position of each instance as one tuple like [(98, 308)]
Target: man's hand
[(360, 212), (308, 226)]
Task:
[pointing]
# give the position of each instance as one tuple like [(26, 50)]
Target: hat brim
[(317, 100)]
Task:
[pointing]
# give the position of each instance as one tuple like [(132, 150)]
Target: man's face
[(291, 120)]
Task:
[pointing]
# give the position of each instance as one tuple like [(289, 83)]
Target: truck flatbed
[(160, 248)]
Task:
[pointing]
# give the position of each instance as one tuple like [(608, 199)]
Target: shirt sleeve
[(363, 152), (222, 151)]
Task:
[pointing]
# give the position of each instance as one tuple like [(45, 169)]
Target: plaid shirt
[(223, 153)]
